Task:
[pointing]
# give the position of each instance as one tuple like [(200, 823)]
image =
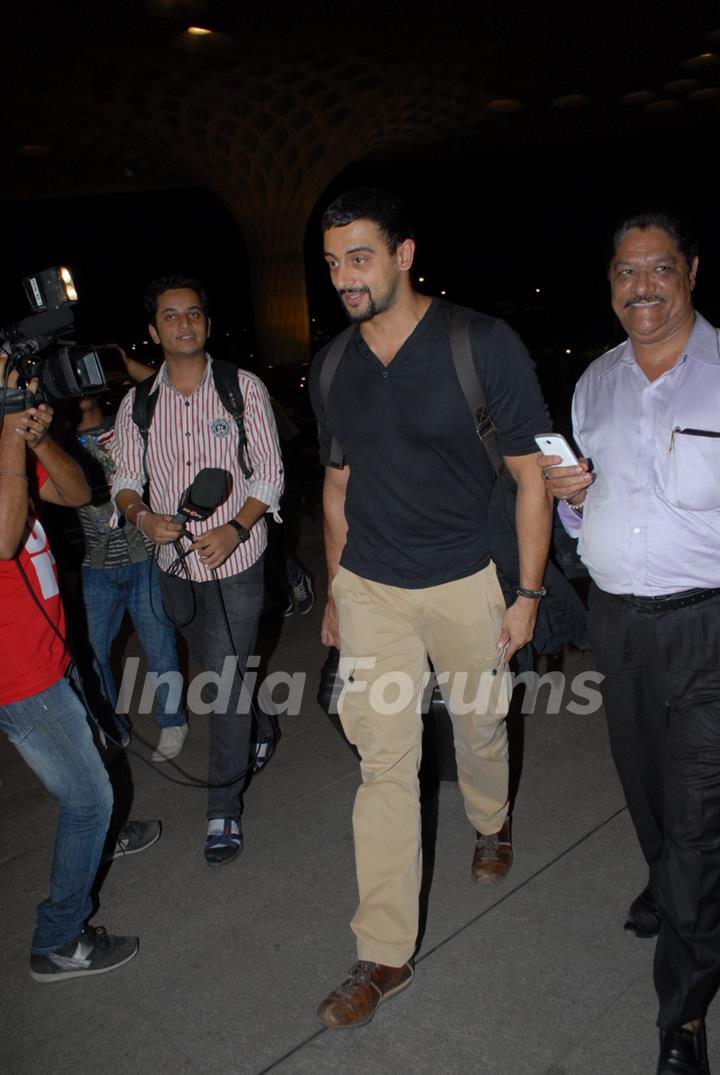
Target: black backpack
[(225, 377)]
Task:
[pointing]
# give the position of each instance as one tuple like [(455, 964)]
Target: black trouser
[(662, 700), (197, 610)]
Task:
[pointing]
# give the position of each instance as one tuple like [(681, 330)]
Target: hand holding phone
[(564, 484)]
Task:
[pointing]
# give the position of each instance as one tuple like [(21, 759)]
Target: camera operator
[(39, 710)]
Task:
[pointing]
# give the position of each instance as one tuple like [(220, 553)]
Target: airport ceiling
[(137, 95)]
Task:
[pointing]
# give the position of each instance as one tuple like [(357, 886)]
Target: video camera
[(35, 347)]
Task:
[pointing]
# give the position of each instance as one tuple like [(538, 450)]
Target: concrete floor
[(534, 977)]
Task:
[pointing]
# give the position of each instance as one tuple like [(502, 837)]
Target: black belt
[(667, 602)]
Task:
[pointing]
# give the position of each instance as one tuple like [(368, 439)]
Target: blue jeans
[(198, 609), (108, 593), (51, 732)]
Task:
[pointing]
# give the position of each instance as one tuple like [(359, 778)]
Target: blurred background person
[(290, 585), (119, 575)]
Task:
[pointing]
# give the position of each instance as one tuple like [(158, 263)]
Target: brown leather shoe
[(493, 856), (368, 985)]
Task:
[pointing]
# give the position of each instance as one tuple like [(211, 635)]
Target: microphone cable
[(178, 569), (73, 675)]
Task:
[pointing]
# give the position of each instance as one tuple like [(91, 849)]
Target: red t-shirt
[(32, 657)]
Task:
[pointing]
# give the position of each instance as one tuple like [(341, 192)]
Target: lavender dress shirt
[(651, 519)]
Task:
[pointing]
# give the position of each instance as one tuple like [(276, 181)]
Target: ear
[(693, 272), (153, 334), (209, 326), (405, 254)]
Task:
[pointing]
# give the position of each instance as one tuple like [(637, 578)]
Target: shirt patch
[(219, 427)]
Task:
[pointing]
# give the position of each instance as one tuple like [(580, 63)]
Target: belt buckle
[(484, 425), (645, 604)]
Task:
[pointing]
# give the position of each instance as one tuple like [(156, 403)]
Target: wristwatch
[(243, 532)]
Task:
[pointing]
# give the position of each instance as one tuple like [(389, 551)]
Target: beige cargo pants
[(387, 634)]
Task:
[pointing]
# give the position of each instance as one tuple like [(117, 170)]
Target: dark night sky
[(490, 231)]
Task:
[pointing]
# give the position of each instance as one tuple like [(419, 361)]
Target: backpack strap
[(143, 409), (327, 372), (462, 356), (225, 377), (460, 317)]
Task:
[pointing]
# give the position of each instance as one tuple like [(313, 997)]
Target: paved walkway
[(535, 977)]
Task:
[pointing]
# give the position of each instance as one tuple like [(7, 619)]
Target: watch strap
[(243, 532)]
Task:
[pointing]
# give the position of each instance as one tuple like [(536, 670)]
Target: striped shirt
[(105, 546), (189, 433)]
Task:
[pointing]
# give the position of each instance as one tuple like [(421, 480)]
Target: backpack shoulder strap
[(143, 408), (225, 377), (462, 356), (327, 372)]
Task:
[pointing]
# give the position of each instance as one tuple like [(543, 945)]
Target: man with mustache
[(407, 547), (648, 509)]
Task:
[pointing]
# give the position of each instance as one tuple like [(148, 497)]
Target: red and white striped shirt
[(188, 433)]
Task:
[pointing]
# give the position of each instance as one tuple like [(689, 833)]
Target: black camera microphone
[(210, 487)]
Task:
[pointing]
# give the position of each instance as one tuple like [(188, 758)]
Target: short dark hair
[(382, 207), (171, 283), (677, 226)]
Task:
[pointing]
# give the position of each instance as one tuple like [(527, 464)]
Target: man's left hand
[(214, 547), (518, 625)]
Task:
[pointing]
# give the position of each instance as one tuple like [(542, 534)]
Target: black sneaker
[(133, 837), (304, 595), (95, 951)]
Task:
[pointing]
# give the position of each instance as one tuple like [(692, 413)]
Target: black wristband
[(536, 595), (243, 532)]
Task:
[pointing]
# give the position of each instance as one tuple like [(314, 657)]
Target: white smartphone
[(555, 444)]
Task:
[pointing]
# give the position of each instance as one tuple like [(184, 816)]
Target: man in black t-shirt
[(410, 573)]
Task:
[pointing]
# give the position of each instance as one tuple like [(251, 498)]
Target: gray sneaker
[(95, 951), (133, 837)]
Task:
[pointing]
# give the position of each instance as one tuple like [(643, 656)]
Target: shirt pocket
[(693, 469)]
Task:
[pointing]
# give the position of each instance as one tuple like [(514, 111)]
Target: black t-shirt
[(420, 479)]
